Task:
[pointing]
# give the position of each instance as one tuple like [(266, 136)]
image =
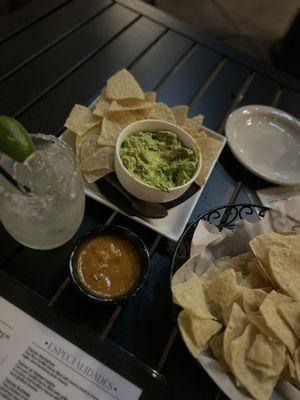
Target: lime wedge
[(15, 141)]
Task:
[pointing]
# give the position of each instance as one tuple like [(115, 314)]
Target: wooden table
[(57, 53)]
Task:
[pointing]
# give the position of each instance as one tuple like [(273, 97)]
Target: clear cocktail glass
[(51, 213)]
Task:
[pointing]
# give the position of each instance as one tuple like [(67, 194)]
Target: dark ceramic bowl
[(139, 245)]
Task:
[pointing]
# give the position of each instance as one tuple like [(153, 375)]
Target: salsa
[(107, 265), (159, 159)]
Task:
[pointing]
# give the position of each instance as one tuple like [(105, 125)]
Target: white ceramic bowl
[(142, 190)]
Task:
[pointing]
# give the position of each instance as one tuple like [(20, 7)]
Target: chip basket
[(222, 217)]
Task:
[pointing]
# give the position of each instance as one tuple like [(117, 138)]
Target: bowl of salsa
[(109, 264), (156, 161)]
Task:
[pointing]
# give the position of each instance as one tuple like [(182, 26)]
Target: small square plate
[(173, 225)]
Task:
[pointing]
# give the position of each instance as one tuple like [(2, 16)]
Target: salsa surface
[(107, 265)]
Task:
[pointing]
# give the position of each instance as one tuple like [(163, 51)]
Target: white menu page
[(38, 364)]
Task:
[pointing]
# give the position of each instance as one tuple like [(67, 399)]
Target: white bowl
[(141, 190), (267, 142)]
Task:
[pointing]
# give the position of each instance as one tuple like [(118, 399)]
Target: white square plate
[(173, 225)]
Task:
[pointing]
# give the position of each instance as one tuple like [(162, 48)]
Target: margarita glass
[(51, 212)]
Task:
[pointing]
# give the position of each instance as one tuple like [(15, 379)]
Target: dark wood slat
[(27, 45), (146, 234), (147, 317), (188, 77), (159, 59), (84, 84), (180, 27), (217, 191), (222, 397), (93, 315), (246, 194), (262, 90), (27, 15), (218, 97), (290, 102), (44, 271), (60, 60), (186, 379), (8, 245)]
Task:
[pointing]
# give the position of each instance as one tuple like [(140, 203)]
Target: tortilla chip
[(255, 384), (112, 127), (276, 355), (103, 158), (254, 279), (93, 176), (215, 269), (261, 245), (216, 345), (260, 351), (195, 122), (163, 112), (78, 141), (238, 299), (241, 262), (252, 299), (115, 107), (266, 357), (269, 310), (236, 326), (150, 96), (190, 296), (220, 292), (101, 106), (200, 135), (190, 129), (81, 119), (284, 265), (87, 144), (258, 320), (180, 114), (209, 148), (122, 85), (196, 332), (290, 313)]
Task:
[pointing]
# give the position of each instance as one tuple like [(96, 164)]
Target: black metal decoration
[(223, 217)]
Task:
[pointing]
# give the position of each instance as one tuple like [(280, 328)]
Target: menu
[(38, 364)]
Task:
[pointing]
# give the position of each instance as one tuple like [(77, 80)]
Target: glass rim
[(31, 197)]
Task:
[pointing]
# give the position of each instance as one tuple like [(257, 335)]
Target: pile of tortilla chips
[(122, 102), (247, 310)]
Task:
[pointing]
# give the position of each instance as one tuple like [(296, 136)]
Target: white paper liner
[(273, 197), (209, 244)]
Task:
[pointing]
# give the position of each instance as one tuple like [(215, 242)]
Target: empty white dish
[(266, 140)]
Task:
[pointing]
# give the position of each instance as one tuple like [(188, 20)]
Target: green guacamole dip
[(159, 159)]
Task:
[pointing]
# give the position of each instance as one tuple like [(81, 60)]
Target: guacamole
[(159, 159)]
